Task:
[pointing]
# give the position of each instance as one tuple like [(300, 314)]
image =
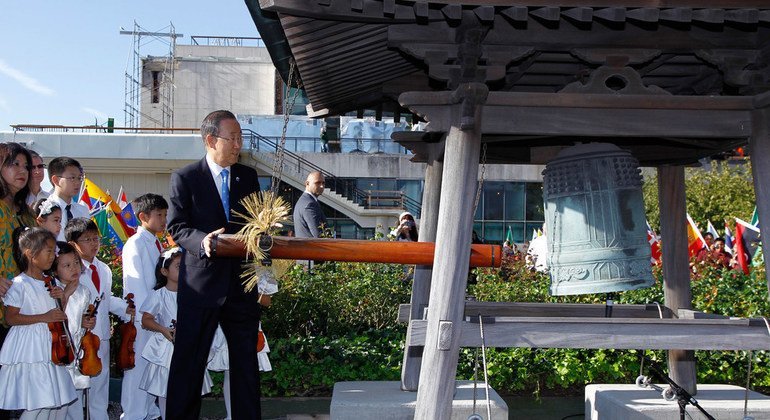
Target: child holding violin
[(159, 316), (140, 256), (67, 269), (83, 234), (29, 379)]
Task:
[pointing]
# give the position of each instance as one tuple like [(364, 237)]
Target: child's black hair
[(148, 202), (32, 239), (43, 208), (63, 248), (164, 261), (58, 165), (77, 227)]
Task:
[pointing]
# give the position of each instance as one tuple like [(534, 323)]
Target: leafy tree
[(720, 193)]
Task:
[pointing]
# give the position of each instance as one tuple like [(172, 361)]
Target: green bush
[(721, 193), (336, 299)]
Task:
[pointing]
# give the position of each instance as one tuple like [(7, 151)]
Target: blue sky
[(63, 62)]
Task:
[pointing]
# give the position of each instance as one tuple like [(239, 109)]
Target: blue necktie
[(226, 193)]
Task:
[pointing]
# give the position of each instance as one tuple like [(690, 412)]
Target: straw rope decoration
[(265, 213)]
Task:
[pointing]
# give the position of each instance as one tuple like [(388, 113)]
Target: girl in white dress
[(67, 268), (29, 380), (219, 360), (159, 315)]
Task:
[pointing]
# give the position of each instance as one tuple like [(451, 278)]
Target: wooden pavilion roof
[(354, 54)]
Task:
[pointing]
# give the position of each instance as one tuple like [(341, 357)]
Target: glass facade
[(503, 206), (509, 206)]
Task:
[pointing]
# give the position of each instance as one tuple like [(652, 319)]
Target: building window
[(156, 87)]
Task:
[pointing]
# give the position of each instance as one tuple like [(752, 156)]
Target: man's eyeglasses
[(74, 178), (238, 140), (87, 240)]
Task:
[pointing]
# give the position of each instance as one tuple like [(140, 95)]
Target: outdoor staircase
[(341, 195)]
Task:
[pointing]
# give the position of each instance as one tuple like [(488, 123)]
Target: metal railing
[(344, 187), (227, 41), (346, 145)]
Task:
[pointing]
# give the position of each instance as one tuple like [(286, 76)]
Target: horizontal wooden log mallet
[(354, 250)]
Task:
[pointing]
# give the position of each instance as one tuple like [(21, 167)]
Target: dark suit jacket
[(195, 209), (308, 216)]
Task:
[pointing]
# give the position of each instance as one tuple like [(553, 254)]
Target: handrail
[(97, 128), (343, 187)]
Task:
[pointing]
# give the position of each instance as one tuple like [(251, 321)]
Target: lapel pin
[(237, 179)]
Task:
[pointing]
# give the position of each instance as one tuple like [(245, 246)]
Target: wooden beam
[(759, 145), (450, 270), (609, 333), (421, 283), (676, 269)]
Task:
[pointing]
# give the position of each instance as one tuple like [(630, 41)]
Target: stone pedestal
[(630, 402), (383, 400)]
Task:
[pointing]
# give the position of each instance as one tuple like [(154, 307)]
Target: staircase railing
[(344, 187)]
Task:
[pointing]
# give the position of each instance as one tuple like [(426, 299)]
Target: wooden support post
[(410, 369), (450, 265), (759, 147), (676, 265)]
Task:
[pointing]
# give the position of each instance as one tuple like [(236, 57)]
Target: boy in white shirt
[(97, 277), (67, 177), (140, 255)]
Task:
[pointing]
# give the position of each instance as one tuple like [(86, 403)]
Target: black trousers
[(195, 328)]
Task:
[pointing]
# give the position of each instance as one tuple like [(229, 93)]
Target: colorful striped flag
[(746, 243), (113, 216), (654, 241), (695, 241)]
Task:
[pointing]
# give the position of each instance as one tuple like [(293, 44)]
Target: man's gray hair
[(210, 124)]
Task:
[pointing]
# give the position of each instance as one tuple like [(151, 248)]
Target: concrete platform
[(630, 402), (383, 400)]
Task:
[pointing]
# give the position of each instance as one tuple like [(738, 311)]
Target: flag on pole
[(122, 201), (746, 243), (86, 200), (509, 235), (728, 239), (654, 241), (712, 230), (96, 193), (534, 234), (755, 217), (695, 241)]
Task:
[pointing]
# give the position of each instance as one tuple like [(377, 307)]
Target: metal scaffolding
[(159, 87)]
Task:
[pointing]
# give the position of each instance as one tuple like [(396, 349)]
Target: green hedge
[(338, 323)]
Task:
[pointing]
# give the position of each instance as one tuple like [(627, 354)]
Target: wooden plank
[(574, 100), (562, 310), (602, 333)]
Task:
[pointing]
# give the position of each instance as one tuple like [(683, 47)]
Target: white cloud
[(25, 80), (100, 116)]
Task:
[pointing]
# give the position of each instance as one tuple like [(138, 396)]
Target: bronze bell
[(594, 211)]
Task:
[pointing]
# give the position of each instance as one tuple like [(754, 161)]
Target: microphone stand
[(683, 397)]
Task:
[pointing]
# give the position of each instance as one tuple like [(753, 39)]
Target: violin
[(89, 362), (260, 341), (126, 356), (62, 351)]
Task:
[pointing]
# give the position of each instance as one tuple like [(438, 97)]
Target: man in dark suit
[(203, 197), (308, 216)]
